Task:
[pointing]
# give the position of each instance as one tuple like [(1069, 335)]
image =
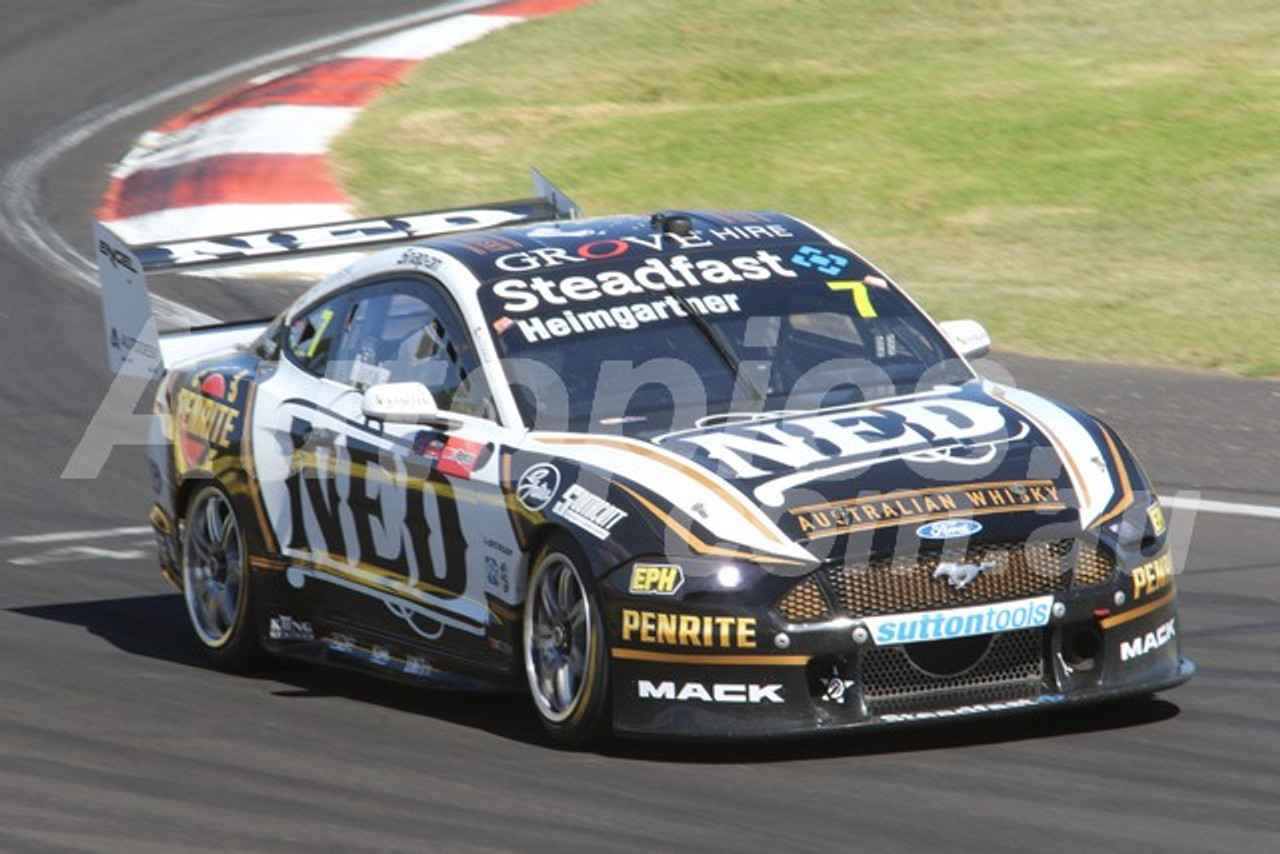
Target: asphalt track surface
[(114, 737)]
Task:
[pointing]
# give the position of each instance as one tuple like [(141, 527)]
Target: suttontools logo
[(961, 622)]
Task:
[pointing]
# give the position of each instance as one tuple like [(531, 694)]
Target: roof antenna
[(672, 223)]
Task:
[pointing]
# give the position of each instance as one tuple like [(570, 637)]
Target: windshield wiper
[(682, 224)]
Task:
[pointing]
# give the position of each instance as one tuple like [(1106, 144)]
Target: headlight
[(1139, 533)]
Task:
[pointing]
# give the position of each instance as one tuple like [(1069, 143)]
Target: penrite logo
[(718, 692), (205, 419), (694, 630), (1152, 577)]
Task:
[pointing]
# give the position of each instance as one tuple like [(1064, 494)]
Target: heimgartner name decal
[(922, 505)]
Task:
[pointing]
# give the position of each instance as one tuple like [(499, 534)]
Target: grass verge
[(1095, 180)]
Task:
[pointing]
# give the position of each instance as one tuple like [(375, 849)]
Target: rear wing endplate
[(133, 342)]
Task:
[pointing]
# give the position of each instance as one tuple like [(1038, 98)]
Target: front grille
[(1093, 567), (904, 584), (806, 603), (946, 674)]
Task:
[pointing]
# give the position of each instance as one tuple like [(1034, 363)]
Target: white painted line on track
[(1177, 502), (77, 554), (73, 536), (21, 220), (1223, 508)]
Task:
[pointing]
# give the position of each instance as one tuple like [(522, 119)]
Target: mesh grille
[(904, 584), (907, 584), (805, 602), (1011, 668), (1093, 567)]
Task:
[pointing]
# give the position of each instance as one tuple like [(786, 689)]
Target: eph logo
[(655, 579)]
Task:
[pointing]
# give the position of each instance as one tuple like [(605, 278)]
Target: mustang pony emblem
[(961, 575)]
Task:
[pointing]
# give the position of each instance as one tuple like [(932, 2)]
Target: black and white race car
[(689, 474)]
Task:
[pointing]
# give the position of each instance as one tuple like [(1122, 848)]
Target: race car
[(689, 474)]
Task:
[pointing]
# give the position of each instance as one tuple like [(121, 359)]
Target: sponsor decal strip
[(923, 505), (628, 654), (1128, 616), (972, 709), (960, 622)]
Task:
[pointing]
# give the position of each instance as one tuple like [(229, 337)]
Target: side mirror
[(969, 337), (403, 403)]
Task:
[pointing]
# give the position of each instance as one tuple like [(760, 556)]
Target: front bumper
[(697, 669)]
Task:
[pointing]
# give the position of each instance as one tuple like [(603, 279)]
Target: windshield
[(668, 342)]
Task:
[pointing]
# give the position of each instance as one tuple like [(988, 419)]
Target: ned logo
[(655, 579)]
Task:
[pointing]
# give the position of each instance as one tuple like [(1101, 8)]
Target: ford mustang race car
[(688, 474)]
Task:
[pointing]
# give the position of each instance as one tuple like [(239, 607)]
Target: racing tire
[(215, 580), (565, 646)]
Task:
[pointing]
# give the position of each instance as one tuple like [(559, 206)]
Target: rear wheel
[(215, 579), (565, 648)]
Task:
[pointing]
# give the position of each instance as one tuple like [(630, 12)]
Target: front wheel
[(565, 649), (215, 580)]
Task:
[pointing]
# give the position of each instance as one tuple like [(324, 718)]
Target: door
[(397, 531)]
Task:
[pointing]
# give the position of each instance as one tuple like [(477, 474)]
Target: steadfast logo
[(719, 692), (1148, 643), (961, 622), (653, 275)]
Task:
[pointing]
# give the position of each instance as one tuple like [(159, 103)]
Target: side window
[(410, 331), (310, 337)]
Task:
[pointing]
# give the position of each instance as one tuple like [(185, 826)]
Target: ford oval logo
[(948, 529)]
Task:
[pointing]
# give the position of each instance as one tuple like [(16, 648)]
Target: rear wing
[(133, 341)]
